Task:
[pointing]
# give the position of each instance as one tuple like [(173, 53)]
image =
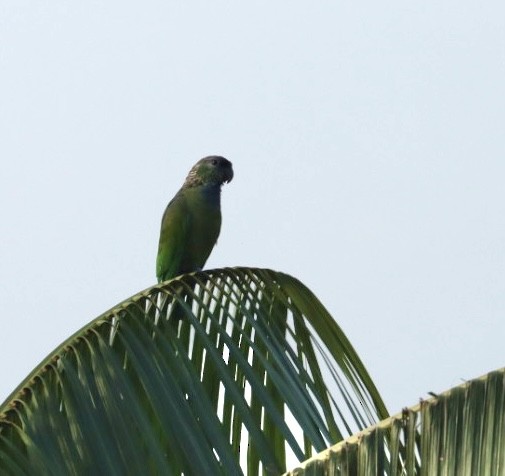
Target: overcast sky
[(367, 138)]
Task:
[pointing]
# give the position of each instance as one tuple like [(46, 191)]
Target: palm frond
[(254, 371), (459, 432)]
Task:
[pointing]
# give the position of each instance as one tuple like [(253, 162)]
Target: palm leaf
[(459, 432), (255, 372)]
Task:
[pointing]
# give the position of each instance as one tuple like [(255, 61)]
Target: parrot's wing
[(175, 229)]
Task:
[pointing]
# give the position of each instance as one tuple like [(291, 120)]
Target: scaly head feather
[(212, 170)]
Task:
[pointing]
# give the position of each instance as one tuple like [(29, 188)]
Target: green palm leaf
[(255, 371), (459, 432)]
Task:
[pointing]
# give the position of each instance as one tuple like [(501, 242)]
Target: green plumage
[(192, 220)]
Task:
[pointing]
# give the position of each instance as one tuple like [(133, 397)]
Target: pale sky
[(368, 143)]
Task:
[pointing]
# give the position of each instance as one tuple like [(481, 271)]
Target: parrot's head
[(212, 170)]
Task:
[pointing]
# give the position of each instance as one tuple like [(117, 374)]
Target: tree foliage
[(460, 432), (219, 372)]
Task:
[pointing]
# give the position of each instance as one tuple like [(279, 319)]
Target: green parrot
[(192, 220)]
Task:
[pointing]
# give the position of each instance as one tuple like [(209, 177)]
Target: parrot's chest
[(206, 223), (205, 220)]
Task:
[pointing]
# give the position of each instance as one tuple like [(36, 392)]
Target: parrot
[(192, 220)]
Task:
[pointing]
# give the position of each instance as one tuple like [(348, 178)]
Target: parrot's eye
[(214, 162)]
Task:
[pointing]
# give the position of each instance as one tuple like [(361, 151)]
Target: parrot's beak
[(229, 173)]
